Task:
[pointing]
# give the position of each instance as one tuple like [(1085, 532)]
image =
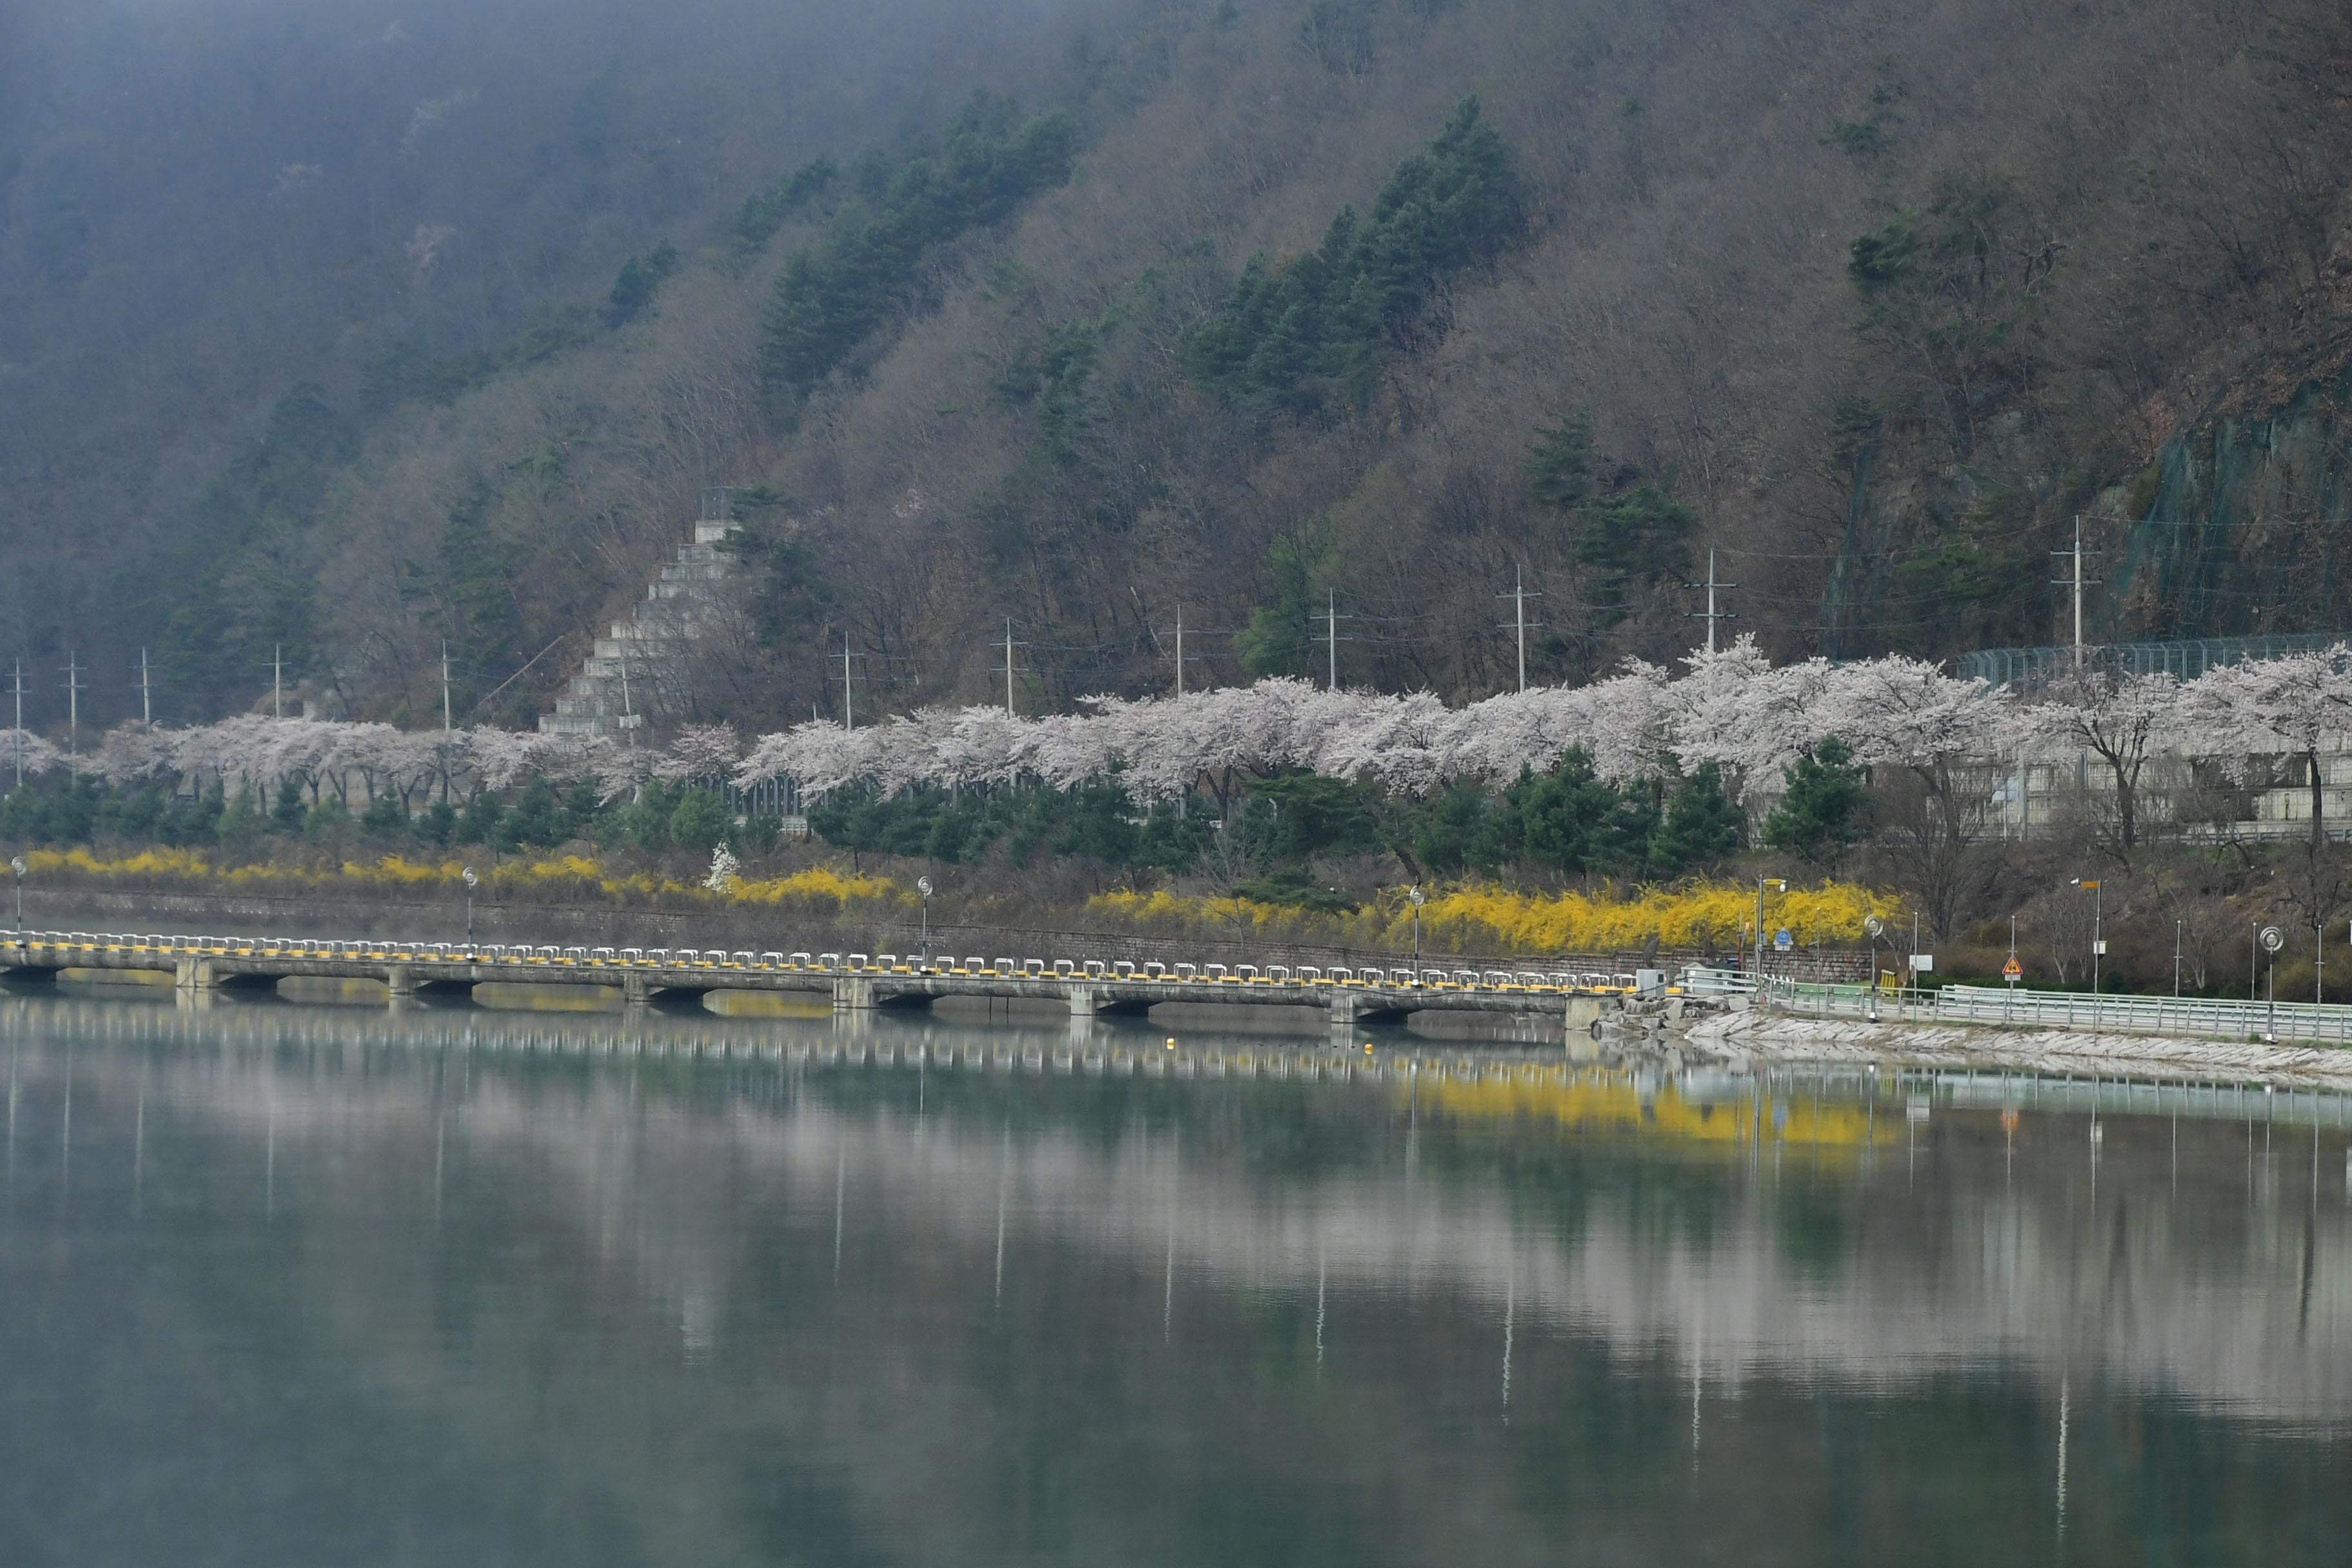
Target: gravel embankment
[(1771, 1037)]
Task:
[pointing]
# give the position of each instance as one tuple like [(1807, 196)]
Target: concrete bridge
[(854, 982)]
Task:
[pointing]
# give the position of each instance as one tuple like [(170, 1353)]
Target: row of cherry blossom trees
[(364, 762), (1732, 709)]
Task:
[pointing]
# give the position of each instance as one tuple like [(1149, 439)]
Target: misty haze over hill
[(353, 330)]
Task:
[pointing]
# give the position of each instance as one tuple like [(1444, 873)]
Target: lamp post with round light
[(2098, 935), (2272, 938), (472, 881), (1873, 928), (16, 864), (1761, 883), (923, 886), (1416, 898)]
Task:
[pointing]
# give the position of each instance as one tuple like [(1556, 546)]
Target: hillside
[(240, 243), (1869, 302)]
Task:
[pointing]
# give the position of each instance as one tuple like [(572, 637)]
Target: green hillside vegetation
[(1249, 314), (833, 296), (1295, 336)]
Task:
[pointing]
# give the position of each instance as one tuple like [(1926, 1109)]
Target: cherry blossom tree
[(1411, 745), (2293, 707), (1937, 736), (1750, 718), (2124, 719), (128, 756), (701, 751), (1628, 725), (25, 753)]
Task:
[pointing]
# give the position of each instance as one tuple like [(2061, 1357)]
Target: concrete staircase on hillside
[(639, 668)]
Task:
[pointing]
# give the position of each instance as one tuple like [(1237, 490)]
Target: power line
[(1923, 549)]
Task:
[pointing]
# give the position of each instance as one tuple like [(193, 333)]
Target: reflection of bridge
[(2208, 1263), (855, 983)]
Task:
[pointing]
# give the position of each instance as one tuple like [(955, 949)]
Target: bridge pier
[(853, 995), (401, 982), (635, 993), (1082, 1001), (195, 975), (1350, 1008), (1583, 1013)]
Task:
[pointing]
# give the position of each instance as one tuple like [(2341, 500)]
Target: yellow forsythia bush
[(821, 886), (1165, 913), (1484, 918), (1696, 915)]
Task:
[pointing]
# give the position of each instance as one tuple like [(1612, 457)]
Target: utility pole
[(277, 680), (2076, 582), (1331, 619), (73, 704), (18, 739), (848, 714), (1182, 658), (445, 685), (1331, 639), (2078, 591), (1713, 585), (1009, 667), (146, 694), (1518, 595)]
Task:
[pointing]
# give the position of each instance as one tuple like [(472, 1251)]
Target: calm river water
[(308, 1285)]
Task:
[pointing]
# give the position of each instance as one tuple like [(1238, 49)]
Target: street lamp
[(1416, 898), (468, 877), (1783, 887), (1873, 928), (2272, 941), (16, 864), (2098, 937), (923, 886)]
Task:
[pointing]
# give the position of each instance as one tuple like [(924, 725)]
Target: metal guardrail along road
[(2188, 1016)]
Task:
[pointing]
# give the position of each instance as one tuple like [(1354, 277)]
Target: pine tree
[(1826, 809), (1701, 826)]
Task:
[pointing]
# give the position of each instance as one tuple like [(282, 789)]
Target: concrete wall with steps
[(635, 665)]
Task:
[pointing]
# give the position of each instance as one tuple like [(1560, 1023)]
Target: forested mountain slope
[(1242, 313), (241, 240)]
